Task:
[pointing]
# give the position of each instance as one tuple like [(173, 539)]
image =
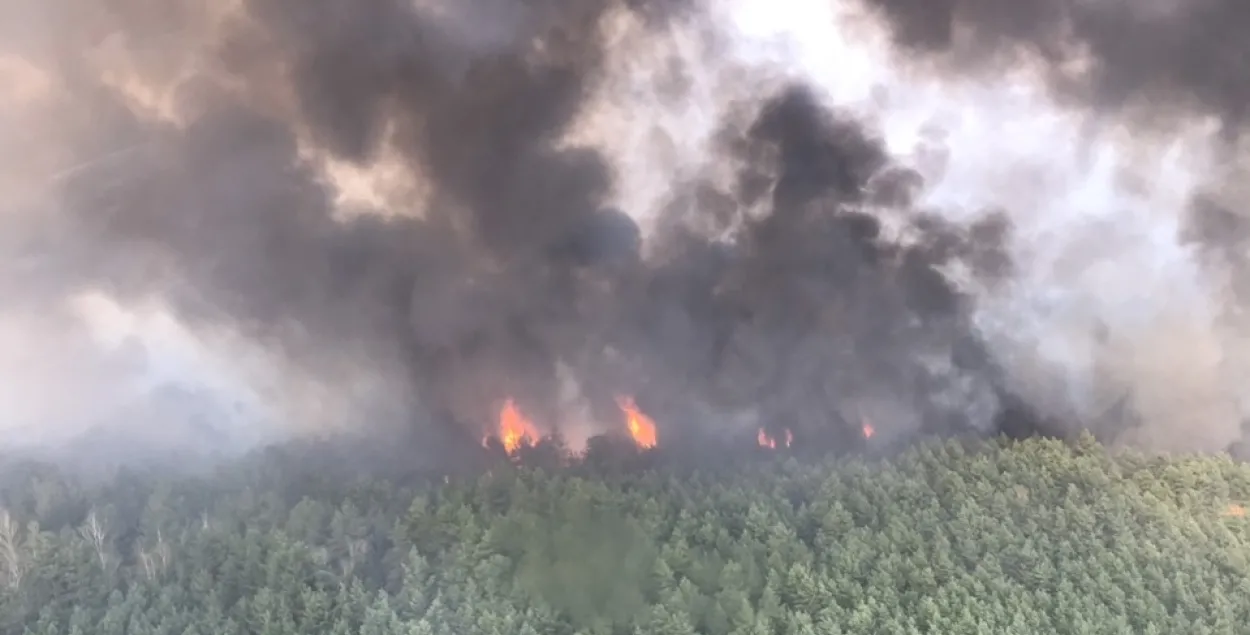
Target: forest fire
[(514, 429), (767, 441), (640, 426)]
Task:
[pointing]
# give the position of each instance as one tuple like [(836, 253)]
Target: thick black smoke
[(813, 315), (818, 301)]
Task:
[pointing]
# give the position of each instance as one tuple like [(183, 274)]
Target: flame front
[(514, 428), (640, 426), (767, 441)]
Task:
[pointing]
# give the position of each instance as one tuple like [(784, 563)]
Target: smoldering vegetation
[(809, 293)]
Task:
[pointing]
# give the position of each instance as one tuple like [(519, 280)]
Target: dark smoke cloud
[(812, 315), (1165, 55), (828, 309)]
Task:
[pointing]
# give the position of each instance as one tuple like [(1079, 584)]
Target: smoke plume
[(271, 217)]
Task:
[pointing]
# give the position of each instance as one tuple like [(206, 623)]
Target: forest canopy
[(950, 537)]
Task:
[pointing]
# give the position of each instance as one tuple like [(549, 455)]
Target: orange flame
[(641, 427), (868, 429), (514, 428), (767, 441)]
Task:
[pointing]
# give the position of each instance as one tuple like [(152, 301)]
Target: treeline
[(947, 538)]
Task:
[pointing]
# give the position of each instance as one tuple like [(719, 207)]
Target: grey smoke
[(512, 263), (1160, 55)]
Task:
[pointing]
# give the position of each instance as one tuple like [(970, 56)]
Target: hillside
[(1004, 538)]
